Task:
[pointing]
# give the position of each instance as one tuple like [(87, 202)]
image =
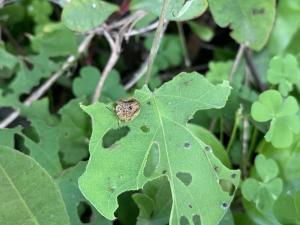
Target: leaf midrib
[(19, 195), (166, 149)]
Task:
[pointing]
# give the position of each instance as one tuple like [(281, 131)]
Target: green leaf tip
[(158, 143)]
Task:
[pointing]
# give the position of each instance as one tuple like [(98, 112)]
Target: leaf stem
[(253, 142), (157, 39), (237, 61), (187, 60), (245, 149), (237, 121)]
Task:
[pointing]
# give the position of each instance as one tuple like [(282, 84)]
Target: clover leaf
[(158, 143), (284, 72), (283, 116), (265, 190)]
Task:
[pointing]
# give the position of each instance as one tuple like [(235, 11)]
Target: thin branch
[(187, 60), (115, 46), (157, 39), (245, 147), (237, 61), (253, 71), (42, 89), (143, 30)]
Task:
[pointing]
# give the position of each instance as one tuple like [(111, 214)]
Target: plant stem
[(237, 121), (237, 61), (157, 39), (253, 142), (253, 71), (244, 161), (187, 60)]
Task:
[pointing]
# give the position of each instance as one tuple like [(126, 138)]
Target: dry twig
[(115, 46)]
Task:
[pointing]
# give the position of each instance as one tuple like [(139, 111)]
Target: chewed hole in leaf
[(152, 160), (224, 205), (196, 220), (114, 135), (187, 145), (184, 221), (185, 178), (84, 212), (233, 175), (227, 186), (32, 134), (145, 128), (208, 148)]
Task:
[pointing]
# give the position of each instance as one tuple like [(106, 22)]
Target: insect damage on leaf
[(160, 144)]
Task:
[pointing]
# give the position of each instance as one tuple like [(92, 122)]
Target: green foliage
[(178, 10), (218, 71), (287, 209), (202, 31), (286, 26), (284, 72), (7, 60), (165, 154), (283, 116), (85, 84), (251, 21), (158, 153), (28, 194), (267, 188), (85, 15), (72, 196), (55, 40), (155, 203)]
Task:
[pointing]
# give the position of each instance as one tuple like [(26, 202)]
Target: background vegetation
[(215, 135)]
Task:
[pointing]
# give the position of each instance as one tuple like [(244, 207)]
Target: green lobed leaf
[(44, 150), (85, 15), (40, 11), (159, 139), (284, 72), (68, 184), (7, 60), (287, 208), (251, 21), (266, 190), (85, 85), (26, 78), (287, 160), (73, 130), (266, 168), (178, 10), (283, 115), (155, 203), (218, 71), (28, 195), (54, 40)]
